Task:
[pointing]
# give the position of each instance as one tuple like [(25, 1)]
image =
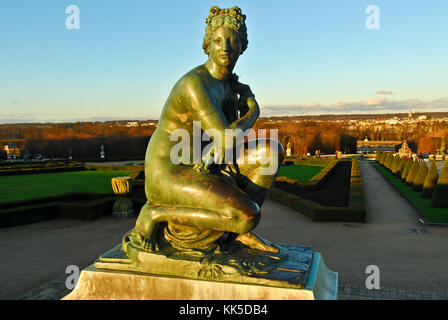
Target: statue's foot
[(141, 242), (252, 240)]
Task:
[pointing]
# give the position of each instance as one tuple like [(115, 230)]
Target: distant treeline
[(329, 136), (129, 139), (116, 148), (82, 140), (345, 117)]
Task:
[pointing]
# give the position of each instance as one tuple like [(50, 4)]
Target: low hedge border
[(356, 200), (83, 206), (36, 163), (355, 212), (66, 168), (41, 167), (31, 170), (138, 176), (315, 181), (137, 172), (110, 167), (311, 161)]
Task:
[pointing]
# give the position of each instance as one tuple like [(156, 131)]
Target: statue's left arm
[(248, 107)]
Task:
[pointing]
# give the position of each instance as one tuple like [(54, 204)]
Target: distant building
[(132, 124), (367, 146), (422, 118), (405, 151), (12, 147)]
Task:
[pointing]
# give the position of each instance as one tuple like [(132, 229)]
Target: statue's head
[(226, 22)]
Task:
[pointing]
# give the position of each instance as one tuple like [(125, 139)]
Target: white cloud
[(384, 92), (373, 105)]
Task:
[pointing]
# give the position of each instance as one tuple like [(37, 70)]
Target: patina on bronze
[(198, 218), (196, 205)]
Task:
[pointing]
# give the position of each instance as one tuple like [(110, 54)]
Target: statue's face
[(225, 47)]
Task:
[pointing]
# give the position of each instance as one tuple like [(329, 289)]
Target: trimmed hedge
[(395, 164), (42, 168), (430, 181), (110, 167), (440, 195), (406, 170), (420, 178), (412, 173), (83, 206), (355, 212), (382, 158), (401, 166), (431, 214)]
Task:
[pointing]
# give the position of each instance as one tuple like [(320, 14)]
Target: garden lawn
[(433, 215), (133, 163), (301, 173), (29, 186)]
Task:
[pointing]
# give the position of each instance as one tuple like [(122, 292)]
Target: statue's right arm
[(203, 106)]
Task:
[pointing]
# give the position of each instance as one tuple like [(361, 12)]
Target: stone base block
[(104, 284)]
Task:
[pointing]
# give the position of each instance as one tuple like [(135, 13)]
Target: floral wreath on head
[(232, 18)]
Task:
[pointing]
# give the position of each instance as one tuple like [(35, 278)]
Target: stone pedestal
[(115, 277)]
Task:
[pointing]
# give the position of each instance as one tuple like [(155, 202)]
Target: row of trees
[(305, 136), (115, 148), (309, 136), (77, 130), (329, 136), (417, 175)]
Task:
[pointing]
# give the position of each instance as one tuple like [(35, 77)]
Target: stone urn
[(123, 206)]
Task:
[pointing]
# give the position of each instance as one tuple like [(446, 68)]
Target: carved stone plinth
[(302, 275)]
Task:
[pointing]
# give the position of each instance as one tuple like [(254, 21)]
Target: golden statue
[(197, 221), (201, 205)]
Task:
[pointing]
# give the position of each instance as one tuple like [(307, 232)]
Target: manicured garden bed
[(338, 198), (302, 173), (423, 206), (334, 192), (298, 172), (22, 187)]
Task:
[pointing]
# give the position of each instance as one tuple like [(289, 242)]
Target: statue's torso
[(176, 113)]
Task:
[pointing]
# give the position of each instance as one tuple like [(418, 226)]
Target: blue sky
[(304, 57)]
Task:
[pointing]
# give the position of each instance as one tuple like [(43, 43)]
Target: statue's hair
[(232, 18)]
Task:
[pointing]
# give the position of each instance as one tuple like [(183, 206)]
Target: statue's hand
[(210, 158), (242, 89), (247, 98)]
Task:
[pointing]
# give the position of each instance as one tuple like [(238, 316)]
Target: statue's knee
[(245, 220)]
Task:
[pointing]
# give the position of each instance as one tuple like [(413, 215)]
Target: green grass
[(301, 173), (22, 187), (433, 215)]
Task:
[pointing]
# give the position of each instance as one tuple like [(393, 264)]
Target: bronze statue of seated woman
[(207, 206)]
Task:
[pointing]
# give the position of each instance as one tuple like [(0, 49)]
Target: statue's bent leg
[(256, 176), (198, 200), (195, 218)]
